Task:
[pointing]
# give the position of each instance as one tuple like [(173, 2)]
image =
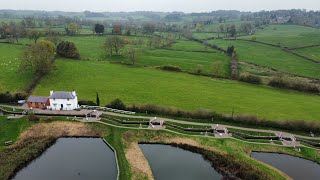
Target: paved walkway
[(84, 111)]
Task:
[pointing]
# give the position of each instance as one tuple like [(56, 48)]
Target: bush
[(294, 84), (171, 68), (88, 103), (33, 118), (172, 111), (68, 50), (117, 104), (230, 50), (250, 78), (7, 97)]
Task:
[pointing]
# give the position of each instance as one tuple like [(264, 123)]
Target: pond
[(168, 162), (73, 158), (295, 167)]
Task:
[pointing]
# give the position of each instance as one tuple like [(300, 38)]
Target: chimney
[(51, 92), (74, 93)]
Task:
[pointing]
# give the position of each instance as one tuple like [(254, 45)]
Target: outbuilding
[(40, 102)]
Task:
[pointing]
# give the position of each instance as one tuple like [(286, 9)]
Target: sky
[(158, 5)]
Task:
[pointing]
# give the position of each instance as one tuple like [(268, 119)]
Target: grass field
[(207, 35), (10, 129), (272, 57), (288, 35), (11, 78), (185, 54), (139, 85), (312, 52)]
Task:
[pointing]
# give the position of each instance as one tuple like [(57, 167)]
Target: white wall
[(71, 104)]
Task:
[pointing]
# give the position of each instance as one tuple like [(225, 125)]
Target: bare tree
[(132, 55)]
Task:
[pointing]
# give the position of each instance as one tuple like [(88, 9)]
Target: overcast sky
[(159, 5)]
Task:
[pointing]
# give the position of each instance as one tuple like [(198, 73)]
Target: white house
[(61, 100)]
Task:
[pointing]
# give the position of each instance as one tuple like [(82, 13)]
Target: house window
[(67, 99), (55, 104)]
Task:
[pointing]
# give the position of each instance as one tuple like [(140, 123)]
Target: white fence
[(106, 109)]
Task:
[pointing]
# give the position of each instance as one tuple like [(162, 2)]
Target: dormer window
[(54, 99), (67, 99)]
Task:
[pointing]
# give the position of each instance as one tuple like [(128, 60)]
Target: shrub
[(171, 68), (33, 118), (117, 104), (7, 97), (199, 68), (230, 50), (88, 103), (294, 84), (68, 50), (250, 78)]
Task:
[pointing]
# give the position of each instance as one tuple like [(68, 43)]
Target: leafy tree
[(99, 28), (54, 38), (232, 30), (11, 31), (97, 100), (114, 44), (38, 57), (34, 35), (68, 50), (72, 29), (221, 28)]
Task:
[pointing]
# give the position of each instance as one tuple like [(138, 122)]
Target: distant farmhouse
[(58, 100)]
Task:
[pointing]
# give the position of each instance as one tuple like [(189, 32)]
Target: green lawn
[(11, 78), (140, 85), (272, 57), (313, 52), (288, 35)]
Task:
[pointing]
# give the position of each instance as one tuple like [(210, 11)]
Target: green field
[(187, 55), (273, 57), (288, 35), (312, 52), (207, 35), (11, 129), (11, 78), (139, 85)]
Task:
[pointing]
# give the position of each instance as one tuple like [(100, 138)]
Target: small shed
[(40, 102)]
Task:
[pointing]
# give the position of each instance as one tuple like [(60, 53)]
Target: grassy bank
[(131, 85)]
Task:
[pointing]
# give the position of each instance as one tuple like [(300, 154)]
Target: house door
[(61, 107)]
